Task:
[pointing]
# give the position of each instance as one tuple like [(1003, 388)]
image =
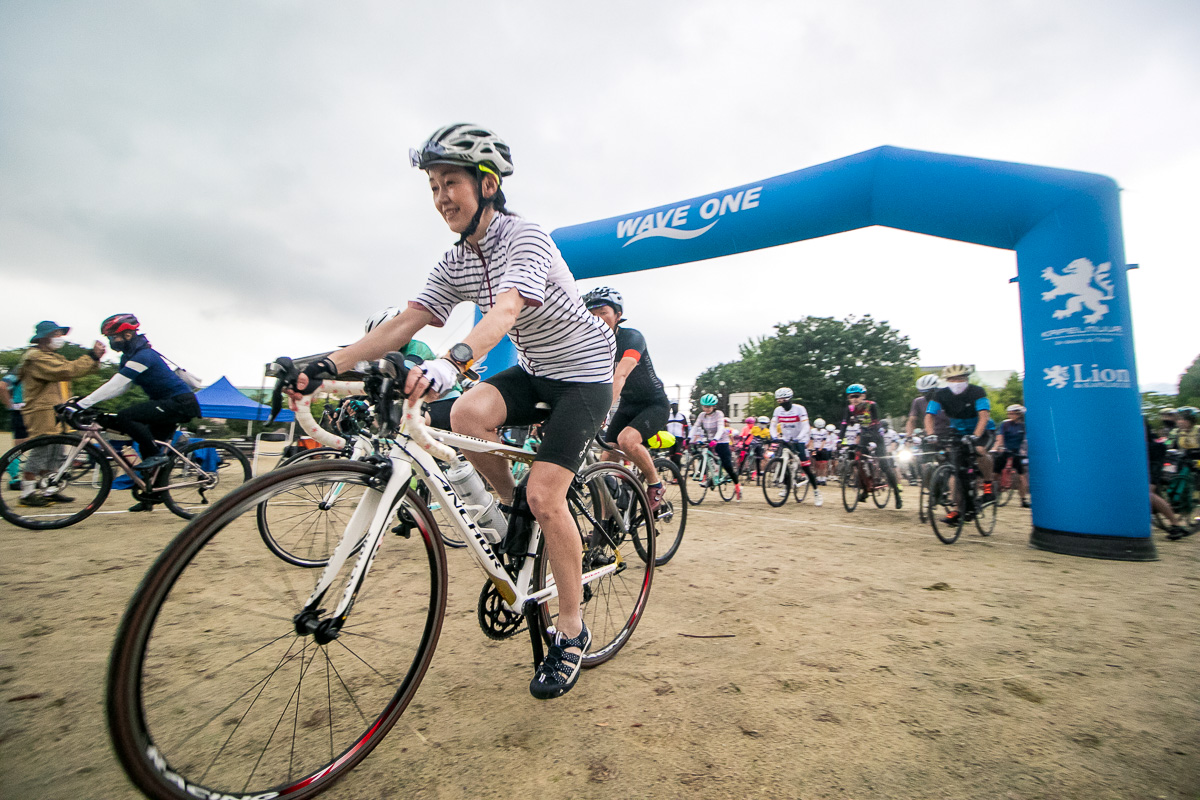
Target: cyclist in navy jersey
[(171, 400), (1010, 441), (642, 406), (970, 414), (866, 415)]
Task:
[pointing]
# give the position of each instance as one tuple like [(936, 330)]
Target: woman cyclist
[(710, 428), (513, 271), (866, 415)]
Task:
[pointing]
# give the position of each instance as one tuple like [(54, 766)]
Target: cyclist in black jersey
[(642, 408)]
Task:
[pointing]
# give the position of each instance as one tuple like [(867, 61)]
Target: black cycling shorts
[(1000, 460), (646, 420), (577, 411), (820, 455)]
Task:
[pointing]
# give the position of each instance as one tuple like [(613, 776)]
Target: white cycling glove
[(442, 375)]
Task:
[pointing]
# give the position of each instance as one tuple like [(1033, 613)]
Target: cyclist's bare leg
[(479, 412), (985, 464), (547, 495), (630, 441)]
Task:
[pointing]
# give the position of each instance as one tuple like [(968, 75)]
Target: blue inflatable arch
[(1086, 441)]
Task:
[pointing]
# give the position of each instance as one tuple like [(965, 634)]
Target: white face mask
[(958, 387), (56, 342)]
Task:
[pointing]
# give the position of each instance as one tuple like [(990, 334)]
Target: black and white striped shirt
[(555, 336)]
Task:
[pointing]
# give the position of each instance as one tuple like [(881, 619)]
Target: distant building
[(739, 404)]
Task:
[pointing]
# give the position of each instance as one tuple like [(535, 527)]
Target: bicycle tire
[(777, 482), (670, 518), (725, 485), (697, 470), (985, 513), (1006, 485), (188, 501), (800, 486), (167, 676), (848, 477), (942, 502), (879, 485), (309, 455), (614, 604), (89, 480), (925, 475)]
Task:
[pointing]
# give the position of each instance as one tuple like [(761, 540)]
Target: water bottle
[(480, 504)]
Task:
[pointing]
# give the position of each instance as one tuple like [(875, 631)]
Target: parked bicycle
[(861, 475), (956, 493), (237, 673), (75, 472), (670, 518)]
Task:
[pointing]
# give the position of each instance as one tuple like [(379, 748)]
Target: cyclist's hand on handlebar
[(430, 379)]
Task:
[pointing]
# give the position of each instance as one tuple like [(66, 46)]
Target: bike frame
[(91, 435), (412, 452)]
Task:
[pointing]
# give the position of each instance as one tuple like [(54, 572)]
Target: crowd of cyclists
[(576, 361)]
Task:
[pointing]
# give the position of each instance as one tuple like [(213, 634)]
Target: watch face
[(461, 352)]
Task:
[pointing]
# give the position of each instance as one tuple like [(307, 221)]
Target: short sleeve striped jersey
[(555, 336)]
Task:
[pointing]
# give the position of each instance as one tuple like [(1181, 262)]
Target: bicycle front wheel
[(941, 505), (777, 482), (207, 472), (848, 477), (670, 518), (926, 475), (697, 473), (881, 490), (211, 686), (613, 515), (68, 483)]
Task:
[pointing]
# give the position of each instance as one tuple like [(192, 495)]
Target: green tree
[(1189, 385), (818, 357), (1012, 393)]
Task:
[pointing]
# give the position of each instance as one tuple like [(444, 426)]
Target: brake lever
[(284, 371)]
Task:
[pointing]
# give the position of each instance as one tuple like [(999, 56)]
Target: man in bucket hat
[(45, 375)]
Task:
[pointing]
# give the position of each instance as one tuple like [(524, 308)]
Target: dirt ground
[(848, 656)]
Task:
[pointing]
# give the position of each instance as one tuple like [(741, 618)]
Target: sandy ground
[(858, 658)]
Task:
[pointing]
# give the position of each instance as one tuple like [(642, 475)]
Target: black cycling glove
[(318, 371)]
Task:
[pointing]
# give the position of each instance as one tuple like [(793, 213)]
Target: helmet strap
[(496, 201)]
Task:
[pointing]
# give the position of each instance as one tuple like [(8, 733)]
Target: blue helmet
[(856, 388)]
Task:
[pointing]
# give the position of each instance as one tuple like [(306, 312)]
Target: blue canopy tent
[(222, 400)]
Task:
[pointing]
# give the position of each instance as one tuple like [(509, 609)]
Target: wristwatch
[(462, 356)]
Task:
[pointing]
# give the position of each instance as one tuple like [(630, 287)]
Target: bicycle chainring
[(497, 621)]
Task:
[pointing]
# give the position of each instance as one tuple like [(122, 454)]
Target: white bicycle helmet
[(764, 420), (380, 317), (831, 427), (784, 394), (1017, 408), (927, 382), (819, 423), (956, 371), (464, 145)]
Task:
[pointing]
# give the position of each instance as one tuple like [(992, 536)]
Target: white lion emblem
[(1076, 281)]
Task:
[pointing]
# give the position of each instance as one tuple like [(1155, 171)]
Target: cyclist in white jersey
[(817, 439), (789, 422), (677, 425), (512, 270)]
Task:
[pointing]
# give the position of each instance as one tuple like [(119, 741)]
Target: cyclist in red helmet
[(171, 400)]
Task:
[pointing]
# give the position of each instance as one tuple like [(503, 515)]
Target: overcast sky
[(235, 173)]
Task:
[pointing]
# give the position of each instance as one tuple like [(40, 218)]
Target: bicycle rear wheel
[(62, 497), (670, 518), (209, 471), (210, 686), (848, 477), (776, 482), (613, 604), (725, 484), (1006, 485), (941, 504)]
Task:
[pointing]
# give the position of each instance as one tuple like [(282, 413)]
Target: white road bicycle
[(782, 476), (237, 673)]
